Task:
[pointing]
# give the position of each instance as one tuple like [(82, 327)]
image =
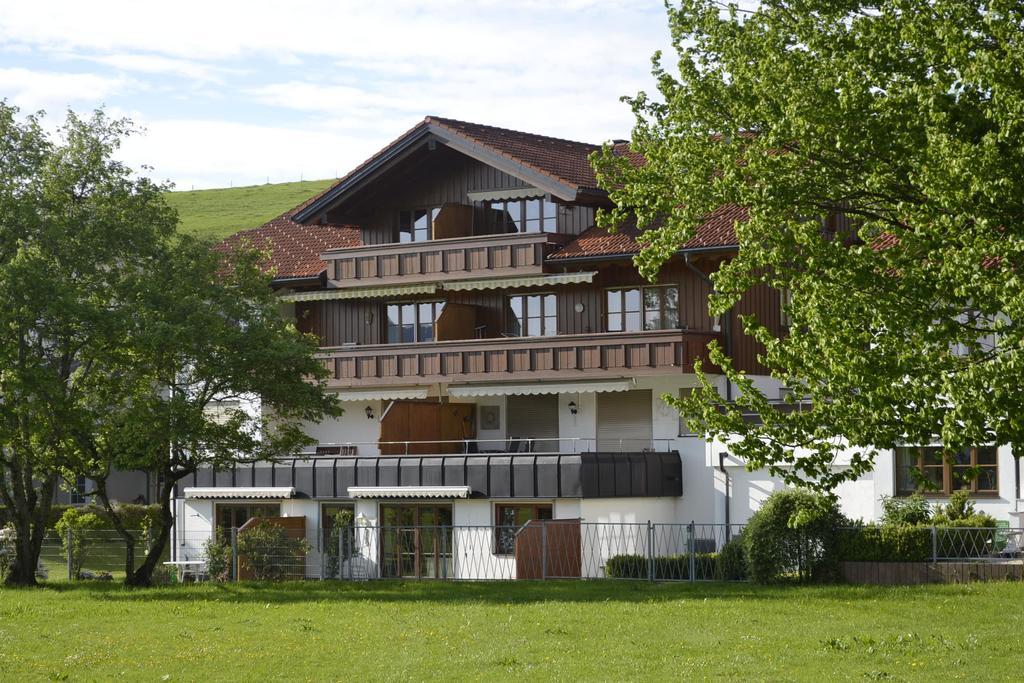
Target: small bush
[(341, 522), (732, 561), (793, 534), (908, 511), (8, 552), (886, 543), (74, 527), (217, 553), (269, 552), (959, 507), (666, 568)]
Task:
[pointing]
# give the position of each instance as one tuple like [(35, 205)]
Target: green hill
[(222, 212)]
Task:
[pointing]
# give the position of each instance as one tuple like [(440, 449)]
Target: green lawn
[(487, 631), (222, 212)]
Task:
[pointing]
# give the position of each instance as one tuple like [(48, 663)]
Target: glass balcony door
[(416, 541)]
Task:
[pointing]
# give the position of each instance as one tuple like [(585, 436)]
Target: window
[(412, 322), (522, 215), (234, 515), (508, 519), (930, 469), (643, 308), (417, 225), (78, 495), (533, 315)]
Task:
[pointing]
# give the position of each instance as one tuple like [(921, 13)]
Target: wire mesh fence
[(539, 549), (91, 554)]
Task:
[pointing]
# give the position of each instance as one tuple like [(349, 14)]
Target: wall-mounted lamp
[(573, 408), (369, 412)]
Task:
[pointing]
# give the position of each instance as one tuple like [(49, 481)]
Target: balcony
[(585, 356), (443, 259)]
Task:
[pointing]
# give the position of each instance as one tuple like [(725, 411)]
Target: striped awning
[(409, 491), (522, 281), (360, 292), (382, 394), (241, 492), (510, 193), (472, 390)]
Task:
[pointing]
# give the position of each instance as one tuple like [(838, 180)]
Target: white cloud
[(203, 153), (313, 87), (31, 90)]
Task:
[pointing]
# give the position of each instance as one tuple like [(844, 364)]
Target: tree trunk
[(143, 576), (115, 518), (30, 530)]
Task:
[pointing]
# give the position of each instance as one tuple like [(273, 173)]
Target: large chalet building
[(501, 360)]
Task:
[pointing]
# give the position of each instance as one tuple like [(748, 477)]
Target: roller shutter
[(624, 421), (533, 417)]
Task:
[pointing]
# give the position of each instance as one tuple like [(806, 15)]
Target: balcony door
[(416, 541), (624, 421)]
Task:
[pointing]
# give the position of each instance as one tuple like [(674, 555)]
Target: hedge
[(133, 516), (722, 567), (966, 538)]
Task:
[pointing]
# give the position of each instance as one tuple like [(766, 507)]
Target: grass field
[(222, 212), (494, 631)]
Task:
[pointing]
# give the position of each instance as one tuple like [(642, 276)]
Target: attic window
[(522, 215)]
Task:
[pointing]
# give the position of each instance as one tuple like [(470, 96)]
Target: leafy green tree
[(209, 375), (877, 149), (74, 224)]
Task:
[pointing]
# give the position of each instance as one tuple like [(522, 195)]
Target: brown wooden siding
[(362, 321), (765, 303), (432, 179)]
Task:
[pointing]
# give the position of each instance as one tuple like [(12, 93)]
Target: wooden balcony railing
[(446, 259), (609, 354)]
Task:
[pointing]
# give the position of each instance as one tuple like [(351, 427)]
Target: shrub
[(341, 522), (74, 527), (666, 568), (959, 507), (886, 543), (268, 551), (217, 553), (908, 511), (793, 534), (732, 561), (7, 551)]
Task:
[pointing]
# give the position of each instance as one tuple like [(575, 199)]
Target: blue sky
[(234, 93)]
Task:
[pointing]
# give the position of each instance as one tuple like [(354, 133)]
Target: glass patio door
[(416, 541)]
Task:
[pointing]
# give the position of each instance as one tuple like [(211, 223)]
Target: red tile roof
[(716, 231), (564, 160), (294, 248)]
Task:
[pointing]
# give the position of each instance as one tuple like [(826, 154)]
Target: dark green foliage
[(886, 543), (338, 534), (959, 507), (909, 510), (667, 568), (269, 552), (794, 534), (217, 553), (732, 561), (136, 517)]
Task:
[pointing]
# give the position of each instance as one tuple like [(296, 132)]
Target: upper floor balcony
[(579, 356), (480, 256)]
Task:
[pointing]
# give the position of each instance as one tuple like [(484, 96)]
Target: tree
[(876, 146), (206, 334), (73, 221)]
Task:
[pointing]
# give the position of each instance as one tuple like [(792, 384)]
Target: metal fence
[(935, 544), (549, 549)]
